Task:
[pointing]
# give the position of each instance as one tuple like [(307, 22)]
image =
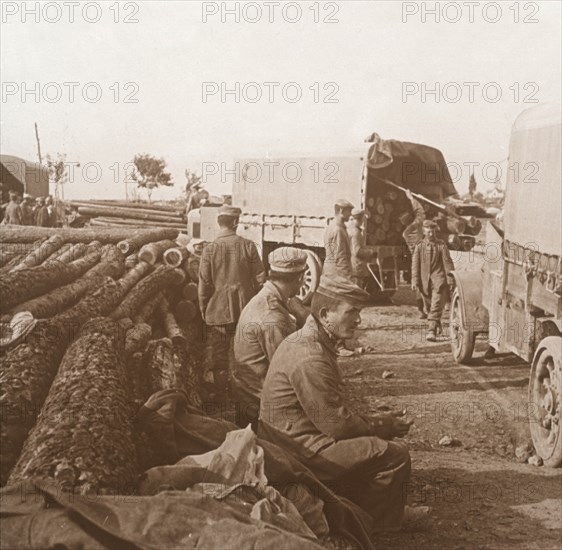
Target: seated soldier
[(262, 326), (303, 409)]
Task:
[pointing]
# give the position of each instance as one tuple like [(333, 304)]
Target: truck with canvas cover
[(289, 201), (516, 297)]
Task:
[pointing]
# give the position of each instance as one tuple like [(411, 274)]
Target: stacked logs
[(145, 342), (121, 214)]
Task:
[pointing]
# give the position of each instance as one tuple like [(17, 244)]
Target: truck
[(515, 297), (289, 201)]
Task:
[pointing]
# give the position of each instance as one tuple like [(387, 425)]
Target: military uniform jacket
[(302, 396), (263, 325), (431, 263), (413, 233), (230, 275), (338, 250)]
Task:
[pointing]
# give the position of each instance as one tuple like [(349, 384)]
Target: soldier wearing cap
[(263, 325), (303, 409), (337, 243), (26, 208), (431, 265), (360, 254), (230, 275)]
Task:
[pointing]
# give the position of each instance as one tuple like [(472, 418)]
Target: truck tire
[(462, 339), (545, 401), (311, 277)]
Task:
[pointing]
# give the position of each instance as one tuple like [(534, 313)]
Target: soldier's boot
[(431, 333), (421, 308)]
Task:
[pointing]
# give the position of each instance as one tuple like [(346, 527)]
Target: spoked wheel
[(545, 396), (311, 277), (462, 339)]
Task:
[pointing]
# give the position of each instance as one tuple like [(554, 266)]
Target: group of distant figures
[(27, 210)]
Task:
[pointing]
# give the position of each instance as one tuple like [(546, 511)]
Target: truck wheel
[(545, 400), (311, 277), (462, 339)]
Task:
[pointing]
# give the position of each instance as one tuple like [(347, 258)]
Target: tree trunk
[(120, 223), (147, 310), (175, 256), (185, 311), (160, 278), (134, 275), (29, 283), (8, 251), (137, 338), (29, 368), (72, 253), (152, 252), (131, 214), (105, 235), (84, 436), (133, 244), (173, 331), (35, 258), (190, 292), (127, 204)]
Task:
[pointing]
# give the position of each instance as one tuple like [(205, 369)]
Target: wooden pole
[(38, 144)]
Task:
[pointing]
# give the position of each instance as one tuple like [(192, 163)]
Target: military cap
[(340, 288), (228, 210), (356, 212), (287, 259), (430, 224), (342, 203)]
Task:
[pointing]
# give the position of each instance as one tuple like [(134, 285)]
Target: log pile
[(121, 214), (69, 363)]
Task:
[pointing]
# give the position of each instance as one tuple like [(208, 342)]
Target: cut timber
[(144, 215), (35, 258), (160, 278), (29, 368), (137, 338), (189, 292), (83, 439), (185, 311), (28, 283), (152, 252), (133, 245), (30, 234), (148, 309), (120, 222), (131, 261), (169, 368), (134, 275), (173, 330), (72, 253), (126, 204), (111, 211), (58, 253), (8, 251), (175, 256)]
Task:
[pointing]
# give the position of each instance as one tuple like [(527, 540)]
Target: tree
[(150, 172)]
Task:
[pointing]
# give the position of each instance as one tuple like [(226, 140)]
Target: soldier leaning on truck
[(262, 326), (431, 265), (337, 243), (230, 275)]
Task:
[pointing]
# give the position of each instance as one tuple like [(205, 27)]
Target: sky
[(360, 67)]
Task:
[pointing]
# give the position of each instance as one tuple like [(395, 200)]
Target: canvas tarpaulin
[(409, 164)]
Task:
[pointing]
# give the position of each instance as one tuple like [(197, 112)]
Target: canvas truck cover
[(24, 176), (409, 164), (533, 206)]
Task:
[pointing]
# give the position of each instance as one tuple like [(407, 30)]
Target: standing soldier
[(27, 210), (412, 235), (12, 215), (41, 214), (337, 243), (359, 254), (230, 275), (431, 265), (263, 325)]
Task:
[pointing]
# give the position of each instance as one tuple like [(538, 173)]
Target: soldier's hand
[(400, 427), (409, 194)]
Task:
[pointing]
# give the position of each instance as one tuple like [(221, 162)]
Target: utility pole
[(38, 144)]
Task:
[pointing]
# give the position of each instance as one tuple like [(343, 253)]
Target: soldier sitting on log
[(303, 409), (263, 325)]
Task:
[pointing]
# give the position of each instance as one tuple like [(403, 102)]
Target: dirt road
[(481, 496)]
